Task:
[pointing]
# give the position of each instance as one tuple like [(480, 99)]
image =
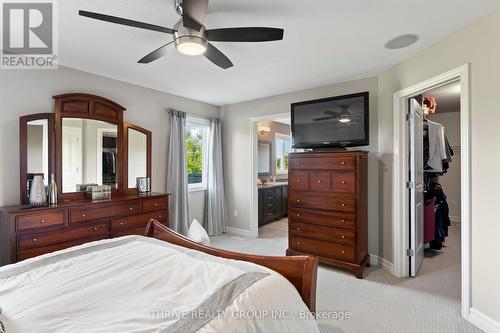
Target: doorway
[(404, 249)]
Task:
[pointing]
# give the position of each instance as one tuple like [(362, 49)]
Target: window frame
[(205, 125), (283, 137)]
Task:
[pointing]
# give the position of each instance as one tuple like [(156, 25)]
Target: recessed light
[(402, 41)]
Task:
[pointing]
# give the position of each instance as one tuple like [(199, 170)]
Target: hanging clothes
[(437, 149)]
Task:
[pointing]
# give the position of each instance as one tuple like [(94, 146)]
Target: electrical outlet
[(235, 212)]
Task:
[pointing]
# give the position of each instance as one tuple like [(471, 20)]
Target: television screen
[(340, 121)]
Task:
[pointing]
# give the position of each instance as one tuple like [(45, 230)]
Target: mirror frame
[(23, 150), (270, 144), (126, 128), (86, 106)]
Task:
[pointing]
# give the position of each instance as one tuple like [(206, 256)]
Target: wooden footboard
[(301, 271)]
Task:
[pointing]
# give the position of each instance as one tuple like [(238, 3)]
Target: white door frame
[(254, 170), (400, 200)]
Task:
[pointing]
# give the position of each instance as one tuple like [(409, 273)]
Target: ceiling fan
[(190, 35), (343, 116)]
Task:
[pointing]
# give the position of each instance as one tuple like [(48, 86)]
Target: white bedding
[(138, 284)]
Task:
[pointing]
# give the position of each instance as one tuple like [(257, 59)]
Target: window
[(283, 149), (196, 152)]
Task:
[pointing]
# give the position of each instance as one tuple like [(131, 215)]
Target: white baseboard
[(374, 259), (238, 232), (482, 321), (387, 265)]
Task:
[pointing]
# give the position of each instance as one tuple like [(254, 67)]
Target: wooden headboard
[(301, 271)]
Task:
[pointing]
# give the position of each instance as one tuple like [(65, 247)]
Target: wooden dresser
[(27, 232), (327, 215)]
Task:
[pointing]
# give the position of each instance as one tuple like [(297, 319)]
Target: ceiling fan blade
[(331, 113), (156, 54), (251, 34), (217, 57), (194, 13), (127, 22), (324, 118)]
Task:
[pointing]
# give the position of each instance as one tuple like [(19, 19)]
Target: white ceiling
[(326, 41)]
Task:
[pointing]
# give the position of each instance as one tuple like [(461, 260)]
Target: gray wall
[(24, 92), (479, 46), (237, 144)]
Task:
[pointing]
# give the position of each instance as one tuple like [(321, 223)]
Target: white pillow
[(197, 234)]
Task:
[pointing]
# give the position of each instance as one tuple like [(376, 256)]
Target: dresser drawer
[(26, 254), (322, 202), (320, 181), (336, 235), (298, 181), (322, 163), (140, 220), (86, 214), (324, 218), (63, 235), (26, 222), (152, 204), (322, 248), (140, 231), (344, 182)]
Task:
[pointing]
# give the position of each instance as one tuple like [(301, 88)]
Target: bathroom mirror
[(137, 151), (90, 154), (264, 151)]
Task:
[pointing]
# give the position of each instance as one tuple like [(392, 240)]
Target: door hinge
[(410, 185), (410, 252)]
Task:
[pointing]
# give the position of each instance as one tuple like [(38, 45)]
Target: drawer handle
[(298, 163), (83, 215), (35, 240), (319, 180), (121, 223), (343, 221), (269, 214), (42, 221), (342, 237), (298, 243), (298, 229), (298, 200), (159, 216), (298, 180), (156, 205), (131, 208), (343, 163), (96, 228), (298, 215), (343, 182), (269, 205), (343, 252), (342, 204)]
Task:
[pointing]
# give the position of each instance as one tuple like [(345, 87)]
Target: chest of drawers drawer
[(337, 204), (27, 222), (323, 163), (322, 248), (154, 204), (63, 235), (87, 214), (137, 221), (336, 235), (323, 218)]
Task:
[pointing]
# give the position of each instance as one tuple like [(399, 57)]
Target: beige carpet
[(379, 302)]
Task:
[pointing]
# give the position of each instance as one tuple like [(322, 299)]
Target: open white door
[(416, 187)]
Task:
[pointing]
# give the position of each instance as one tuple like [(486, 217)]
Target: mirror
[(37, 148), (137, 156), (89, 154), (264, 151)]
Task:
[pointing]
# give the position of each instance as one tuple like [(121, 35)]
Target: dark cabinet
[(273, 203)]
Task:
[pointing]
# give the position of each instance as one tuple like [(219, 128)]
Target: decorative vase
[(52, 190), (38, 193)]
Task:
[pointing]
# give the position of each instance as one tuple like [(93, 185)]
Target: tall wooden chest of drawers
[(27, 232), (327, 214)]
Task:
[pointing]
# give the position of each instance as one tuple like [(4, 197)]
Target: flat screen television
[(334, 122)]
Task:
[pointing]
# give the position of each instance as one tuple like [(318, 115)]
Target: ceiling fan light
[(192, 46)]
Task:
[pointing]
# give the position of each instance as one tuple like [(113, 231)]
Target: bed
[(159, 282)]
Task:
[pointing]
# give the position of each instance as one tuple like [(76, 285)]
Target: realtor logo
[(28, 35)]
